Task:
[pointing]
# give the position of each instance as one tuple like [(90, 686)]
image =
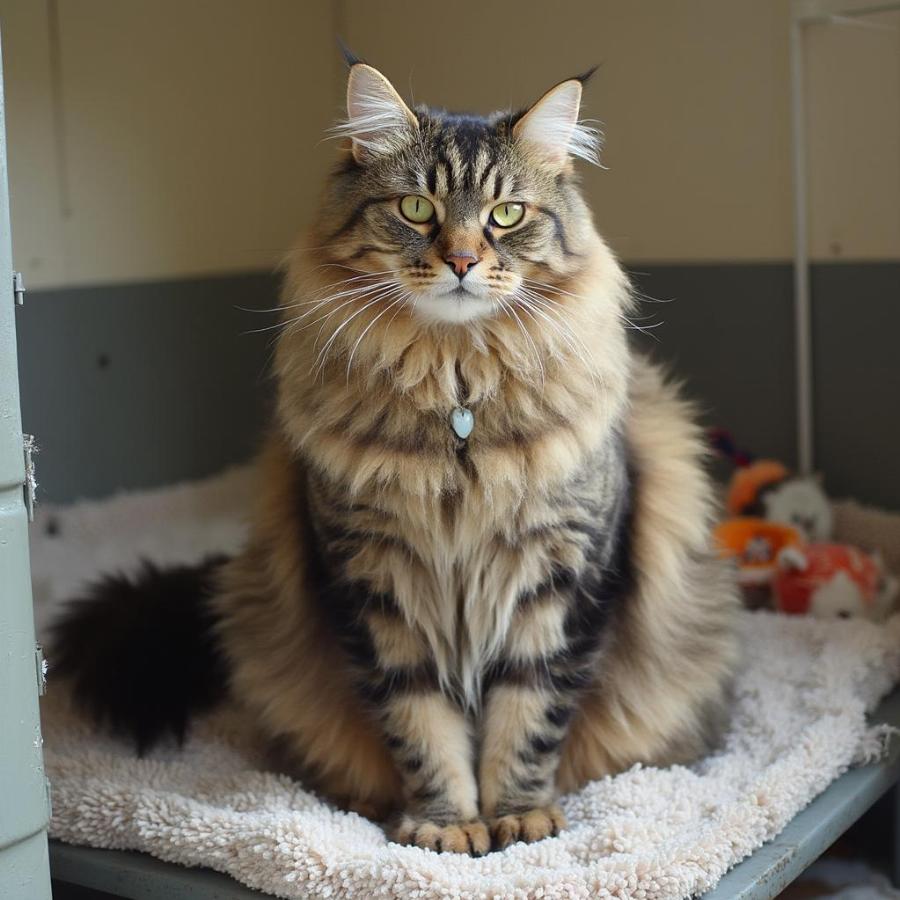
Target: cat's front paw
[(531, 826), (461, 837)]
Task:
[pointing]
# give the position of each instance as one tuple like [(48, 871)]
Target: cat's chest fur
[(455, 531), (462, 530)]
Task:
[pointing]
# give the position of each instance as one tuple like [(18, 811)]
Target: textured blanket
[(799, 722)]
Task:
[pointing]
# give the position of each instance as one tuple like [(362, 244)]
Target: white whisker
[(319, 363), (361, 277), (323, 353), (388, 308), (379, 293), (350, 295), (554, 289), (644, 329), (562, 326), (537, 356), (353, 294)]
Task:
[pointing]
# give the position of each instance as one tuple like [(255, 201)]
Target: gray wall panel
[(856, 336), (132, 386), (727, 330), (184, 391)]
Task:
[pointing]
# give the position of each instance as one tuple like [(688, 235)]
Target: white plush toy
[(800, 502)]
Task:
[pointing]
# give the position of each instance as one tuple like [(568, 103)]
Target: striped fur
[(454, 630)]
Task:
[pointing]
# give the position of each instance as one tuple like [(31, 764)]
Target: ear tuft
[(552, 125), (585, 77), (349, 56), (378, 121)]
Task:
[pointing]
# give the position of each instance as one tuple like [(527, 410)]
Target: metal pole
[(802, 316)]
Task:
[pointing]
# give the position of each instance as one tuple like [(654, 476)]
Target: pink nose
[(461, 261)]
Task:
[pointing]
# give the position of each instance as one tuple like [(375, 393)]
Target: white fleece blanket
[(799, 722)]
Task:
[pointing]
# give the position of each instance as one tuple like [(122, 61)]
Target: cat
[(479, 573)]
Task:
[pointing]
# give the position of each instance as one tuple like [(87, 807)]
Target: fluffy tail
[(141, 651)]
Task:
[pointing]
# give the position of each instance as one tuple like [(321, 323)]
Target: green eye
[(507, 214), (417, 209)]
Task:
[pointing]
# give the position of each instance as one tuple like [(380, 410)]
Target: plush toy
[(755, 545), (774, 515), (802, 503), (766, 489), (832, 580)]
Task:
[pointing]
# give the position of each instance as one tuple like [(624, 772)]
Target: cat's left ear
[(551, 126), (378, 121)]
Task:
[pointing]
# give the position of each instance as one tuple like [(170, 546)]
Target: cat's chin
[(456, 307)]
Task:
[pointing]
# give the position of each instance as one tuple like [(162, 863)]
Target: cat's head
[(462, 216)]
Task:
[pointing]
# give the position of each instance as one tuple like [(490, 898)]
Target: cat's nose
[(461, 261)]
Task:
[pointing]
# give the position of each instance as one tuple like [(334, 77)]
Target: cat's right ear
[(378, 121)]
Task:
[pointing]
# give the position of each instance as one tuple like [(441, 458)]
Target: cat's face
[(463, 216)]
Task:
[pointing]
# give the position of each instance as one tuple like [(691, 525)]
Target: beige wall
[(854, 121), (189, 132), (186, 135), (694, 100)]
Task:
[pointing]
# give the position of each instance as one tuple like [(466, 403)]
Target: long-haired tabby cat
[(479, 570)]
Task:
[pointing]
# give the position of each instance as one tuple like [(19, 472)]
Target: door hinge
[(40, 664), (19, 288), (30, 477)]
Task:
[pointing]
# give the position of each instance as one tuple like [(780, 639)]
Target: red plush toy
[(832, 580)]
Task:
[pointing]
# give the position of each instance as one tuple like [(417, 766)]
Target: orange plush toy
[(750, 481), (774, 515), (755, 545), (832, 581)]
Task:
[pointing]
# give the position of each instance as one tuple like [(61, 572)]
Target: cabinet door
[(24, 797)]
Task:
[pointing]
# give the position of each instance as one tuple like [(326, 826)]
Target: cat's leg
[(432, 745), (426, 732), (528, 704), (519, 760)]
